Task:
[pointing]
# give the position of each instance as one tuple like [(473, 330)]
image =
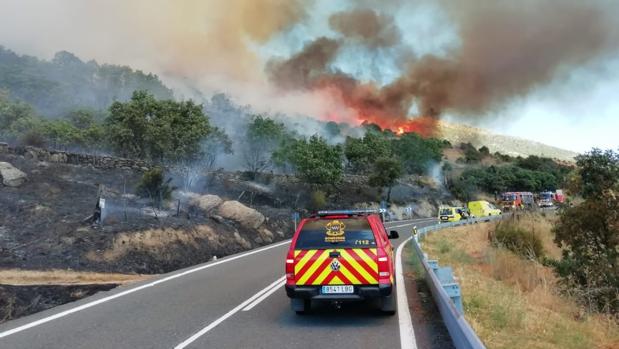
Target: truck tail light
[(290, 268), (384, 269)]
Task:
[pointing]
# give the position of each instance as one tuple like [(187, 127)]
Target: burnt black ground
[(42, 223), (18, 301)]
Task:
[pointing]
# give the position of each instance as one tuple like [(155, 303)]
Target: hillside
[(513, 146), (66, 83)]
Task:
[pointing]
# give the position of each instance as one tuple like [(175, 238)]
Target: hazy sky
[(224, 46)]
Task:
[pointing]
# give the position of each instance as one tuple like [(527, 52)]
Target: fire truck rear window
[(338, 233)]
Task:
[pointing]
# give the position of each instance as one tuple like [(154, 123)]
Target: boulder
[(241, 241), (59, 157), (206, 202), (11, 176), (36, 154), (4, 148), (246, 216), (265, 234)]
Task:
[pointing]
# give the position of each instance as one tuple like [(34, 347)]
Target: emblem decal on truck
[(335, 265), (335, 231)]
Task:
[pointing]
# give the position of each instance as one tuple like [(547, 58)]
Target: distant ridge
[(514, 146), (65, 83)]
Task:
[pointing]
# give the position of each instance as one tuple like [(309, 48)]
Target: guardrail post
[(453, 291), (445, 275)]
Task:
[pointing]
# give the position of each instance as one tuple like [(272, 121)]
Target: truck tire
[(388, 304), (301, 306)]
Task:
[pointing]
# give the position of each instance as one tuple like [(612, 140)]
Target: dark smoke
[(303, 69), (506, 49), (366, 26)]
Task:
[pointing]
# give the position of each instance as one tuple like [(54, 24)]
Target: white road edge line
[(404, 225), (229, 314), (133, 290), (265, 295), (407, 333), (412, 220)]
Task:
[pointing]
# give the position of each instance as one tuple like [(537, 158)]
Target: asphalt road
[(235, 302)]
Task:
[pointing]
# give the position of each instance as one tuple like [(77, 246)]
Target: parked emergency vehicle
[(546, 199), (483, 208), (559, 197), (517, 200), (452, 214), (339, 256)]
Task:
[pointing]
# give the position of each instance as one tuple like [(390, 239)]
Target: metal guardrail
[(445, 291)]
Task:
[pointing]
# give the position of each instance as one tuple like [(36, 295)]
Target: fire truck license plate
[(337, 289)]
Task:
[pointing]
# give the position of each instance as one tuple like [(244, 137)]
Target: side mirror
[(393, 234)]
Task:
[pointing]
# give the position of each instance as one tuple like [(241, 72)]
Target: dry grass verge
[(156, 241), (512, 302), (20, 277)]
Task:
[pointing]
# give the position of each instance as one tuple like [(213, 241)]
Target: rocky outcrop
[(11, 176), (245, 216), (424, 208)]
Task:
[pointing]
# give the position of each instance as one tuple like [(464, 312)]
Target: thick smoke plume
[(506, 49), (366, 26), (501, 50)]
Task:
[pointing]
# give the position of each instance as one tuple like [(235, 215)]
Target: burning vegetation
[(505, 51)]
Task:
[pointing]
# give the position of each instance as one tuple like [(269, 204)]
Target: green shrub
[(154, 186), (444, 246), (318, 200), (523, 242), (33, 138)]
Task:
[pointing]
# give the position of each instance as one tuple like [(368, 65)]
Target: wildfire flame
[(424, 126)]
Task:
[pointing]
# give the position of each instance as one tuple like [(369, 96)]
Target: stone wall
[(97, 161)]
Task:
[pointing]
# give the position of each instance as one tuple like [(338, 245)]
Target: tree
[(589, 233), (362, 153), (599, 171), (16, 118), (215, 144), (282, 157), (484, 151), (157, 130), (416, 153), (317, 162), (262, 138), (333, 129), (471, 154), (386, 172), (82, 118), (154, 186)]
